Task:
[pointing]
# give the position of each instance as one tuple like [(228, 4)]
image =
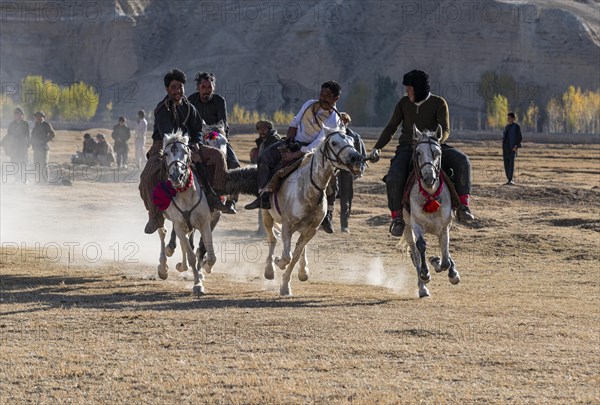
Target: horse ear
[(185, 138), (439, 132), (203, 125), (416, 133), (221, 125)]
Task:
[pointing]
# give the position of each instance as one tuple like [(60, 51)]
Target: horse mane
[(177, 136)]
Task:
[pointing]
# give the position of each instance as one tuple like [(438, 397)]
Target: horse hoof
[(281, 263), (425, 277), (198, 290), (285, 291), (455, 279), (169, 251), (424, 292), (303, 276), (269, 274), (180, 267), (163, 273), (436, 262)]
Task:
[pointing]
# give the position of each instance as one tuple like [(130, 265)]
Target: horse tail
[(242, 180)]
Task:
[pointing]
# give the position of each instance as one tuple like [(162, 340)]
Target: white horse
[(300, 205), (188, 211), (430, 209)]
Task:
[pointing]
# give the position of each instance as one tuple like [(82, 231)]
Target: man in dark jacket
[(212, 108), (425, 110), (121, 134), (41, 134), (17, 139), (346, 179), (511, 142), (267, 136)]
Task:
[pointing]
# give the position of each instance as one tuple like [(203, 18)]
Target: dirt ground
[(84, 318)]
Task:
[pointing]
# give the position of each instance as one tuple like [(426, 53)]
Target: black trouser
[(455, 163), (232, 160), (509, 163), (268, 161), (345, 183)]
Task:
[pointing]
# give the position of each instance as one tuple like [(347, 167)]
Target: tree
[(38, 94), (530, 118), (386, 98), (497, 111), (78, 102)]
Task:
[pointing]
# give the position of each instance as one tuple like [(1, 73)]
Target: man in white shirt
[(304, 135), (140, 138)]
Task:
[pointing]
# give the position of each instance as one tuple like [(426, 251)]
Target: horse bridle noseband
[(430, 142)]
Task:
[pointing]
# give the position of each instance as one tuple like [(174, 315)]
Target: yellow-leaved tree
[(497, 109)]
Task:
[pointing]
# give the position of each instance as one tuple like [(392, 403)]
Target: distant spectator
[(41, 134), (346, 179), (87, 155), (104, 153), (121, 134), (17, 139), (140, 138), (511, 142)]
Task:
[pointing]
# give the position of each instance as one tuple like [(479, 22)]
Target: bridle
[(431, 142), (186, 214), (335, 160)]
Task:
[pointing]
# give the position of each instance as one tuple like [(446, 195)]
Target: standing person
[(304, 135), (140, 138), (267, 136), (346, 179), (41, 134), (174, 112), (17, 139), (425, 110), (212, 108), (121, 134), (511, 142)]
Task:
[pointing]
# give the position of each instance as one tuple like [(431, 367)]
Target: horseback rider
[(174, 113), (212, 109), (426, 110), (304, 135)]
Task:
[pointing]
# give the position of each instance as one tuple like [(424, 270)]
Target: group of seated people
[(95, 152)]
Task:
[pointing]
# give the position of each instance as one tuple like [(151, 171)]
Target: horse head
[(177, 158), (339, 149), (214, 135), (428, 155)]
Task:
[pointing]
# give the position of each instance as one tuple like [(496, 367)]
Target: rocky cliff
[(273, 55)]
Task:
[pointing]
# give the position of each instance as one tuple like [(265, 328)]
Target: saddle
[(410, 182)]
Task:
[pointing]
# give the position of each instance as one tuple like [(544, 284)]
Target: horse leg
[(198, 289), (286, 254), (268, 224), (300, 245), (447, 263), (303, 272), (172, 243), (209, 259), (182, 266), (163, 267), (416, 258)]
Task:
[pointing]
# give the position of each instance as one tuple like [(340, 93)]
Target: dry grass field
[(84, 318)]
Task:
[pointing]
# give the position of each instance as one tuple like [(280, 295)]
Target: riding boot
[(397, 225), (263, 201), (154, 222), (326, 224), (215, 203)]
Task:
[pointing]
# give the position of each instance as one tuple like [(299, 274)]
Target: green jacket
[(428, 115)]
